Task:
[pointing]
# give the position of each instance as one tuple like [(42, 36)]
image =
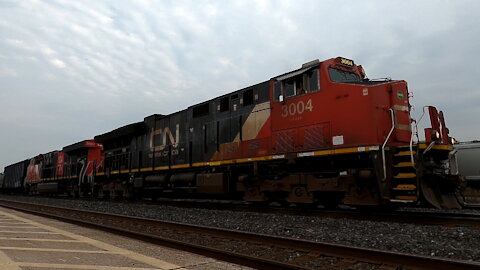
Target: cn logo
[(165, 133)]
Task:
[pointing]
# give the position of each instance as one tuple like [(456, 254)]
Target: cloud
[(19, 44), (5, 72), (58, 63)]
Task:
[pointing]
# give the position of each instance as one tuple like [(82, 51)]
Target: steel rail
[(411, 215), (239, 245), (420, 216)]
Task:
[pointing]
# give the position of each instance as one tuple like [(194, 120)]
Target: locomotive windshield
[(337, 75)]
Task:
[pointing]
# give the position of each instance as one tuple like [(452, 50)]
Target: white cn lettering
[(166, 134)]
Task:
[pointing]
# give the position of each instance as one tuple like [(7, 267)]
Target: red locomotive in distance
[(321, 134)]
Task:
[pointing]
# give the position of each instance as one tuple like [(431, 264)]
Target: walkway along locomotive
[(321, 134)]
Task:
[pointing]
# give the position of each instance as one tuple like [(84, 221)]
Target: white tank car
[(467, 164)]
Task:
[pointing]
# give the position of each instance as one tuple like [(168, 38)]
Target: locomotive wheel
[(331, 204), (330, 200), (96, 191), (74, 191), (85, 192), (128, 192), (102, 193)]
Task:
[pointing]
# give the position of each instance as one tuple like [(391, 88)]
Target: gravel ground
[(432, 240)]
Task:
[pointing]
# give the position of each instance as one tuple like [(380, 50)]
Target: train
[(321, 134)]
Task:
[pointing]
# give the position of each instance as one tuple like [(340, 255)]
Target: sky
[(70, 70)]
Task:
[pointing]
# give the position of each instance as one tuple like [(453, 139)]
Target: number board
[(346, 62), (297, 108)]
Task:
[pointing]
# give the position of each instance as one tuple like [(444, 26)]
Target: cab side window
[(313, 81), (307, 82), (290, 88), (278, 90)]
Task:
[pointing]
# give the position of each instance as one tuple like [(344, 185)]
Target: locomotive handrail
[(429, 147), (420, 120), (392, 115), (411, 147), (416, 133), (411, 142)]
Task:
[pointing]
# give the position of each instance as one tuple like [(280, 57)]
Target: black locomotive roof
[(230, 93), (124, 131), (74, 147), (154, 116), (16, 164)]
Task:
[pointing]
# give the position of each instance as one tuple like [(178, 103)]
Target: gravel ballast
[(431, 240)]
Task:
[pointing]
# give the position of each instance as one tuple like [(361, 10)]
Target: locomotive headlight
[(435, 135), (452, 140)]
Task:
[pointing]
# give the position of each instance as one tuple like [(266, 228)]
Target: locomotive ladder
[(404, 182)]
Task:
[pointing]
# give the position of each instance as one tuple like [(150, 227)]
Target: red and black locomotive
[(321, 134)]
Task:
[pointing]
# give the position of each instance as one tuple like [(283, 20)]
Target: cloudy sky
[(70, 70)]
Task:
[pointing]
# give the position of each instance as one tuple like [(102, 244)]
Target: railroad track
[(404, 216), (435, 218), (414, 216), (419, 216), (411, 215), (255, 250)]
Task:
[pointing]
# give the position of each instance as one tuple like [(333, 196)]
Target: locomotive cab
[(330, 109), (335, 96)]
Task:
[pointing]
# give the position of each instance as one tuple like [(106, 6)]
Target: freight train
[(323, 133)]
